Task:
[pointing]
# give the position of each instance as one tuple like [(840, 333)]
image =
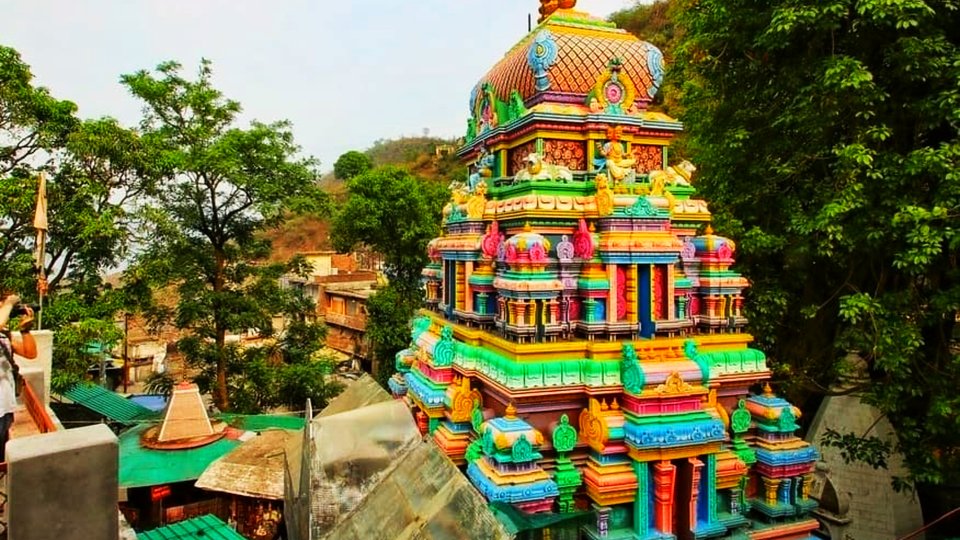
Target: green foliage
[(261, 377), (650, 22), (351, 164), (389, 312), (93, 170), (395, 214), (73, 356), (159, 383), (871, 450), (420, 156), (218, 187), (827, 139), (653, 22), (309, 380)]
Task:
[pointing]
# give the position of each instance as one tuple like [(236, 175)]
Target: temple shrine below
[(583, 350)]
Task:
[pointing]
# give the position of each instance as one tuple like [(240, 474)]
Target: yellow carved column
[(612, 293), (668, 295), (770, 490), (632, 292)]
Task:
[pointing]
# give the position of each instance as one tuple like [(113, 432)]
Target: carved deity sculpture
[(620, 168), (547, 7)]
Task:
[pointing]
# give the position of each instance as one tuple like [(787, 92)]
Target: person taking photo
[(23, 345)]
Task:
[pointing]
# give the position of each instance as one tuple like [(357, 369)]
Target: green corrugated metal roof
[(260, 422), (208, 527), (109, 404), (141, 466)]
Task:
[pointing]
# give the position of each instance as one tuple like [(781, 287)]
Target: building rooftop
[(206, 527)]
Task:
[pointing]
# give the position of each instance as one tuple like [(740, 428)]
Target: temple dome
[(566, 54), (710, 244), (530, 243)]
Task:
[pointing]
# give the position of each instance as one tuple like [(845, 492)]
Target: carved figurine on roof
[(547, 7), (580, 279)]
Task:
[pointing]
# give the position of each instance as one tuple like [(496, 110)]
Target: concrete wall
[(63, 485)]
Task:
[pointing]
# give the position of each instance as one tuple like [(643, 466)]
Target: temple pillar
[(443, 292), (641, 506), (784, 491), (805, 487), (461, 286), (603, 520), (632, 293), (770, 486), (589, 310), (696, 466), (665, 474), (468, 270), (481, 303), (735, 495), (711, 494), (612, 293), (668, 295)]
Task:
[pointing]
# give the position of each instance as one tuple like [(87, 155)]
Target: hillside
[(430, 158)]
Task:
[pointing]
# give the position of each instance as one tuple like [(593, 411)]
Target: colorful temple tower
[(578, 291)]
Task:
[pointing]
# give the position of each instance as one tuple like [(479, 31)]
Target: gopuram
[(583, 348)]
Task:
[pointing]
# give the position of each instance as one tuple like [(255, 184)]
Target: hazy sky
[(344, 72)]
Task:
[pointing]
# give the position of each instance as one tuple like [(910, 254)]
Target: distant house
[(340, 285)]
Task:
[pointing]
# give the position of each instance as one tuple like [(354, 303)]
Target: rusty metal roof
[(254, 469)]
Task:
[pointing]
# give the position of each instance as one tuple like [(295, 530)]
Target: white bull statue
[(538, 169)]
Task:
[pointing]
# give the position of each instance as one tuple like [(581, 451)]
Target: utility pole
[(126, 357)]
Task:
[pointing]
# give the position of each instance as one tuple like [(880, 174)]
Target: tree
[(351, 164), (395, 214), (389, 312), (827, 139), (93, 170), (653, 23), (218, 188)]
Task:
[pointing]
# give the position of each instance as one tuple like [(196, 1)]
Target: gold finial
[(603, 405), (527, 227), (767, 391), (511, 412), (709, 229), (615, 406)]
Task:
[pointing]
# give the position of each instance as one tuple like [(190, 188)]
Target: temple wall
[(876, 510)]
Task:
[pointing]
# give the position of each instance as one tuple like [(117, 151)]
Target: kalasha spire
[(547, 7)]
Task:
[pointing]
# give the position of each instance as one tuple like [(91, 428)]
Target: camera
[(20, 310)]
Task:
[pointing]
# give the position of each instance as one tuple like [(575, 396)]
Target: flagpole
[(40, 224)]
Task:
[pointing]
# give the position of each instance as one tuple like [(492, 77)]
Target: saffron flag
[(40, 224), (40, 221)]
